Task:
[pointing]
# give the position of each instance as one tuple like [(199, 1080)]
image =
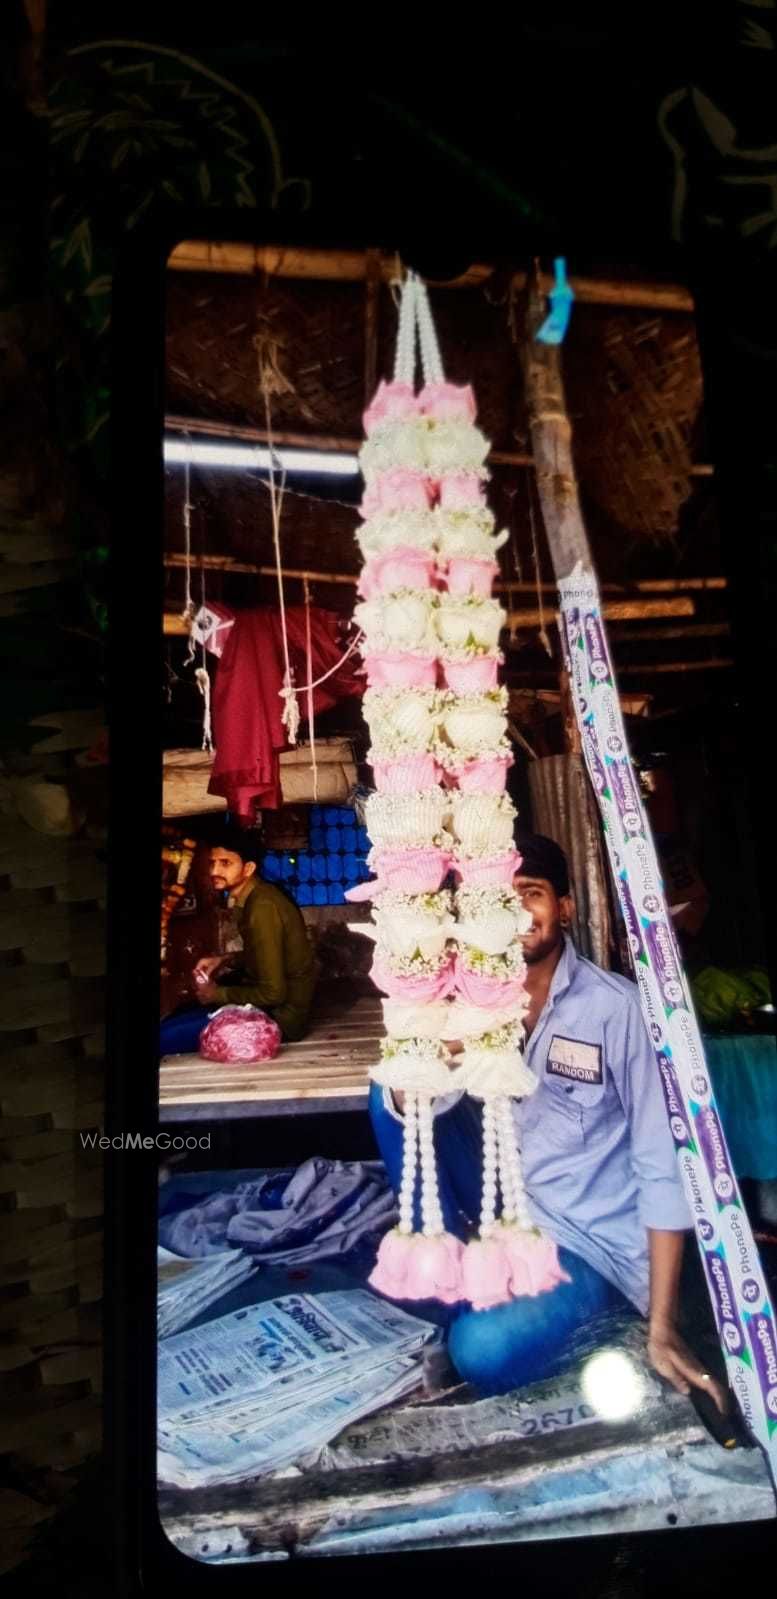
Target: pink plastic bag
[(240, 1033)]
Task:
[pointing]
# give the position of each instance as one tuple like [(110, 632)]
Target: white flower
[(401, 721), (402, 621), (492, 1073), (408, 1019), (393, 530), (412, 1065), (465, 533), (416, 963), (465, 1021), (406, 923), (504, 965), (400, 444), (483, 823), (475, 724), (455, 446), (490, 919), (398, 820), (472, 622)]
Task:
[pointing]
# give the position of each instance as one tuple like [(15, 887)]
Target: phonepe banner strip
[(732, 1267)]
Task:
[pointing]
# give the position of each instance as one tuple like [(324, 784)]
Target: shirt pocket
[(556, 1117), (591, 1105)]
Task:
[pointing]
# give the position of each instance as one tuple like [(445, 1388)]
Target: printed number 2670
[(568, 1417)]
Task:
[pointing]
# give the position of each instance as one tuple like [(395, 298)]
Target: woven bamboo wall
[(52, 946)]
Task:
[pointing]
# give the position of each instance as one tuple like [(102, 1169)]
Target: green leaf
[(100, 285), (203, 176)]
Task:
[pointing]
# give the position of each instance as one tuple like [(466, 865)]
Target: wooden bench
[(326, 1070)]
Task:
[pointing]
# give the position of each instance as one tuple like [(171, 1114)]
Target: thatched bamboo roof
[(634, 391)]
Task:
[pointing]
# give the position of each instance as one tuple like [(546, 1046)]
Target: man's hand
[(671, 1358), (209, 964), (207, 993)]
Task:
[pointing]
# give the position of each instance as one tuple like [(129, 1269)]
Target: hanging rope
[(202, 677), (188, 607), (290, 714), (309, 688)]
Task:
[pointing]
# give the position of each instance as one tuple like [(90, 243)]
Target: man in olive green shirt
[(278, 974)]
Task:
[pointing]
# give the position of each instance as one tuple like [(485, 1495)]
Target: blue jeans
[(526, 1340), (180, 1034)]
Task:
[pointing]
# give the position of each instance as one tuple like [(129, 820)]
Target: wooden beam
[(225, 563), (175, 626), (612, 610), (237, 433), (653, 667), (350, 266), (638, 635)]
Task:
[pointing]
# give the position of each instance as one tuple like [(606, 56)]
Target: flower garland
[(451, 966)]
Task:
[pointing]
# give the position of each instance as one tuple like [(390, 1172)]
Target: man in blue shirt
[(598, 1160)]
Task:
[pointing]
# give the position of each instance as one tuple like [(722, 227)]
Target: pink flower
[(461, 491), (408, 774), (434, 1269), (534, 1263), (484, 774), (478, 988), (403, 568), (447, 402), (391, 402), (398, 490), (406, 871), (495, 873), (470, 575), (476, 676), (400, 669), (485, 1273), (389, 1274), (427, 987)]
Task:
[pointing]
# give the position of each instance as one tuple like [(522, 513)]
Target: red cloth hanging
[(248, 732)]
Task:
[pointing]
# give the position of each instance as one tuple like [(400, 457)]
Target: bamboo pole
[(351, 266), (244, 434)]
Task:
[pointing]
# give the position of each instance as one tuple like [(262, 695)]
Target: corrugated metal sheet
[(564, 809)]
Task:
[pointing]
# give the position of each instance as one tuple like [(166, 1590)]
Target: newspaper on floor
[(185, 1288), (271, 1384)]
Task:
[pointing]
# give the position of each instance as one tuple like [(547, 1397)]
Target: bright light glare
[(255, 455), (612, 1386)]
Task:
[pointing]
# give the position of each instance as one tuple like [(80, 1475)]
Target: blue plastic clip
[(561, 296)]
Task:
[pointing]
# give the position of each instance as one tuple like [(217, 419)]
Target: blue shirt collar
[(565, 971)]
